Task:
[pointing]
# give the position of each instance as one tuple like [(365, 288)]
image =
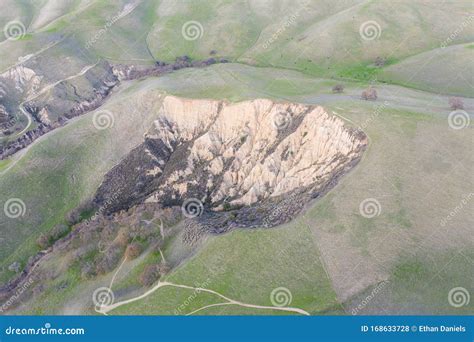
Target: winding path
[(105, 309), (45, 89)]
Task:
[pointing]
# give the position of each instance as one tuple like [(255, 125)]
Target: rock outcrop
[(50, 106), (247, 164)]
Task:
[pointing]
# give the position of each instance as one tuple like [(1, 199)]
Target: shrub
[(133, 251), (73, 217), (43, 241), (87, 271), (369, 94), (149, 275), (227, 206), (122, 237), (456, 103), (163, 268), (338, 88), (379, 61), (46, 240), (59, 231), (76, 215), (110, 259)]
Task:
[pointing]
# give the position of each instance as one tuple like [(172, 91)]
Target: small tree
[(122, 237), (87, 271), (133, 251), (58, 231), (43, 241), (163, 268), (369, 94), (149, 275), (338, 88), (456, 103), (75, 215), (379, 62), (109, 260)]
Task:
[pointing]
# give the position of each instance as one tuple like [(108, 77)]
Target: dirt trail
[(45, 89), (105, 309)]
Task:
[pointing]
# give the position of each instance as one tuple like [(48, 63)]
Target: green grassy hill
[(329, 259), (317, 37)]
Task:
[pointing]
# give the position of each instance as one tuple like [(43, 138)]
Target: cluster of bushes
[(456, 103), (109, 259), (45, 240), (133, 251), (152, 273), (338, 88), (369, 94), (82, 211), (98, 246)]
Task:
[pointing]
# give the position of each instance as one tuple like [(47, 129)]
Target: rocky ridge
[(234, 165), (67, 99)]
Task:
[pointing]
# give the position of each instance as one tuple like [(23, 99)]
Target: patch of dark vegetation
[(456, 103), (152, 273), (45, 240), (369, 94), (132, 72), (380, 61), (14, 146), (338, 89), (96, 247), (84, 211)]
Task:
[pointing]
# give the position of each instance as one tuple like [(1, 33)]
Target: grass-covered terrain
[(416, 167), (283, 257), (320, 38), (58, 172)]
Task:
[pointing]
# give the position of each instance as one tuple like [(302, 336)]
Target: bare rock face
[(247, 164), (48, 105), (15, 83), (23, 79)]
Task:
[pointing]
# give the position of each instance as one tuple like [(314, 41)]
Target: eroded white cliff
[(252, 150)]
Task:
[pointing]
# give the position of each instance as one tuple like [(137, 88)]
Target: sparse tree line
[(370, 94), (97, 247)]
